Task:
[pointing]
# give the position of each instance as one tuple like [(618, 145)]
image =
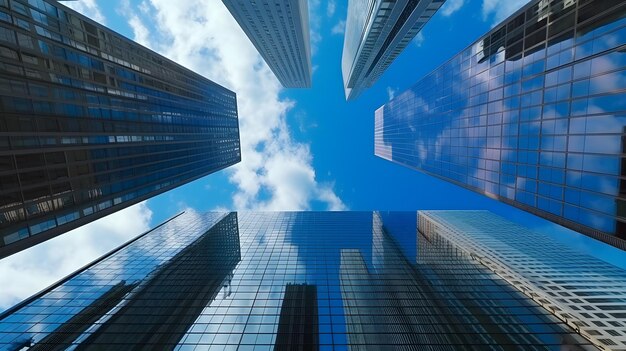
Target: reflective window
[(577, 79), (63, 98), (328, 281)]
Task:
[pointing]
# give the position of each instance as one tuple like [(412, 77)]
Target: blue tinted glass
[(570, 102), (321, 279), (97, 91)]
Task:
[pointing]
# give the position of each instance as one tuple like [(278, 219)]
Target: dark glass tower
[(174, 294), (532, 114), (313, 281), (91, 122), (298, 324)]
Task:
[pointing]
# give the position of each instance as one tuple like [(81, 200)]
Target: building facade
[(285, 281), (91, 122), (279, 30), (376, 33), (532, 114), (583, 291)]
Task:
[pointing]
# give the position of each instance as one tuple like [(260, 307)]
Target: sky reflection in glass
[(530, 114), (233, 281)]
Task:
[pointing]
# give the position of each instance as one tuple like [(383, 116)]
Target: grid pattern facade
[(92, 122), (376, 33), (531, 114), (279, 29), (306, 281), (585, 292)]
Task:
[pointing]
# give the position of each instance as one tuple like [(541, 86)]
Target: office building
[(91, 122), (531, 114), (286, 281), (298, 324), (279, 29), (376, 33), (586, 293)]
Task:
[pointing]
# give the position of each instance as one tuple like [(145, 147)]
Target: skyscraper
[(448, 299), (531, 114), (376, 33), (585, 292), (279, 29), (175, 293), (91, 122), (285, 281)]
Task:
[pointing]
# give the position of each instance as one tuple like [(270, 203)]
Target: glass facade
[(583, 291), (279, 29), (531, 114), (292, 281), (376, 33), (91, 122)]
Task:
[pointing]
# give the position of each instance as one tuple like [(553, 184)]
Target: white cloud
[(419, 39), (305, 123), (142, 33), (451, 6), (88, 8), (391, 92), (315, 25), (339, 28), (276, 171), (330, 8), (27, 272), (500, 9)]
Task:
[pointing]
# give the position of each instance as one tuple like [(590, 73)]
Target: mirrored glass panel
[(541, 95), (330, 281)]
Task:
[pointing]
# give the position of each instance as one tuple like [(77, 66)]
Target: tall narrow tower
[(279, 29), (376, 33)]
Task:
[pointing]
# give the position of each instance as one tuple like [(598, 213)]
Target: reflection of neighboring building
[(71, 330), (446, 299), (162, 308), (376, 33), (279, 29), (287, 281), (298, 326), (531, 115), (586, 293), (158, 309), (558, 16), (621, 205), (91, 122)]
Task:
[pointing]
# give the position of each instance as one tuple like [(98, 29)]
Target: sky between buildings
[(302, 149)]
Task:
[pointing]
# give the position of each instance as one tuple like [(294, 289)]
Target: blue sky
[(302, 149)]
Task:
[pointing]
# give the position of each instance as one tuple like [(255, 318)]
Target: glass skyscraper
[(299, 281), (583, 291), (532, 114), (279, 29), (91, 122), (376, 33)]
